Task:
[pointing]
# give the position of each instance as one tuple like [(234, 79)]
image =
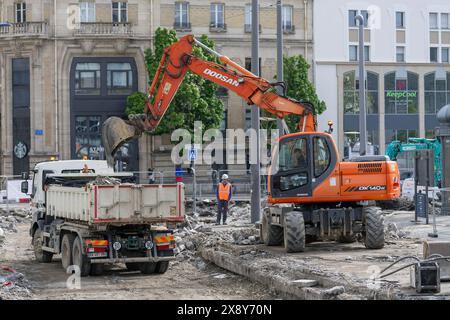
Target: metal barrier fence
[(203, 183)]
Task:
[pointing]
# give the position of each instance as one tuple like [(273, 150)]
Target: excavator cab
[(301, 163)]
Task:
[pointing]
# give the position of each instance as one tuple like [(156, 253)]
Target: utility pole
[(362, 90), (255, 168), (279, 59)]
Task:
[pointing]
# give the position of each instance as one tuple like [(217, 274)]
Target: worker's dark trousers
[(223, 210)]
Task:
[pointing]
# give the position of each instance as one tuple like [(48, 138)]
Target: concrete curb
[(285, 286)]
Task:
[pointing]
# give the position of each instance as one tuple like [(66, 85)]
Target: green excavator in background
[(397, 147)]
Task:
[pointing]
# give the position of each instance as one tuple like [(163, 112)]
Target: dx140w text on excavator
[(319, 197)]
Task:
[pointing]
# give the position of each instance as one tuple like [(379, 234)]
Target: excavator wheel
[(294, 232), (272, 235), (373, 233)]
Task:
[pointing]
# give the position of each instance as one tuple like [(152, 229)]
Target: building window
[(21, 12), (119, 78), (286, 18), (433, 20), (182, 15), (400, 20), (87, 137), (217, 15), (401, 135), (444, 55), (119, 12), (444, 21), (437, 92), (87, 79), (401, 93), (351, 93), (430, 134), (433, 54), (400, 54), (87, 11), (353, 53), (352, 17)]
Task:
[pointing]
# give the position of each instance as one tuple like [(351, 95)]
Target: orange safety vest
[(224, 191)]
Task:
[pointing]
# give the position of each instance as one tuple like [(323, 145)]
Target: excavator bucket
[(115, 133)]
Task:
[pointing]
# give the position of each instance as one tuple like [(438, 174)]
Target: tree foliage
[(195, 99), (295, 69)]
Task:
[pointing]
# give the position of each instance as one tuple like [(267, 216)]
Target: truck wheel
[(96, 269), (374, 228), (272, 235), (79, 259), (66, 250), (162, 266), (132, 266), (41, 255), (294, 232), (147, 267)]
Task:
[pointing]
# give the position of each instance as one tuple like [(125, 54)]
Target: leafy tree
[(195, 99), (299, 87)]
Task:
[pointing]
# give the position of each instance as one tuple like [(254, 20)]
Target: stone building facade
[(66, 65)]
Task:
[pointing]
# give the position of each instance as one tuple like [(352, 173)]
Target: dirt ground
[(182, 281)]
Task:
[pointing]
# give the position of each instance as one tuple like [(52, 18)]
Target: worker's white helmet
[(224, 176)]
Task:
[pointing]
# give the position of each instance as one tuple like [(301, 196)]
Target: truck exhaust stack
[(115, 133)]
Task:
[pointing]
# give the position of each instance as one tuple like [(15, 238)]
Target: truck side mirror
[(25, 175), (24, 187)]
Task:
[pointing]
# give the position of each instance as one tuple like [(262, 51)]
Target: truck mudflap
[(134, 259)]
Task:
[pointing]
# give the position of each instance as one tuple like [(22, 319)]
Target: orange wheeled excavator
[(312, 194)]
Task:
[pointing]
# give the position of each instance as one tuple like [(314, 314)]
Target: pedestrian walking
[(223, 199)]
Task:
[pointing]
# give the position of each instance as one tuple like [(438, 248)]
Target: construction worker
[(223, 198)]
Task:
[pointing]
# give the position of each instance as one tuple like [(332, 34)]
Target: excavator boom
[(176, 61)]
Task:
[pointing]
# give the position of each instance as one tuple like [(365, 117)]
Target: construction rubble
[(13, 284)]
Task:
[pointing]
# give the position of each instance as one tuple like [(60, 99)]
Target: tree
[(299, 87), (195, 100)]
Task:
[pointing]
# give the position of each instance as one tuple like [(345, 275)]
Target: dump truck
[(312, 194), (94, 216)]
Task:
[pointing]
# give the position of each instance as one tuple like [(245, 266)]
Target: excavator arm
[(176, 61)]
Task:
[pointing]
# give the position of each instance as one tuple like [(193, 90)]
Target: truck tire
[(79, 259), (132, 266), (147, 267), (162, 266), (272, 235), (294, 232), (41, 255), (373, 233), (66, 250), (96, 269)]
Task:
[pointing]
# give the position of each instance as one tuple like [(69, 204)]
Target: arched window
[(401, 93), (351, 93), (437, 92)]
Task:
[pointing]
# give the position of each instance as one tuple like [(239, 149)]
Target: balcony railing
[(289, 29), (218, 27), (24, 29), (185, 26), (248, 28), (104, 28)]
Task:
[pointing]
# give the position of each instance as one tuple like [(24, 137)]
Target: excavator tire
[(294, 232), (272, 235), (374, 228)]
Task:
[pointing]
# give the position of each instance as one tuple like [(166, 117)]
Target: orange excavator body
[(322, 178)]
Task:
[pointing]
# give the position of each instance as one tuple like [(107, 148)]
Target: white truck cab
[(43, 169)]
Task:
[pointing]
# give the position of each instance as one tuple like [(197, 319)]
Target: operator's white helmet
[(224, 176)]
